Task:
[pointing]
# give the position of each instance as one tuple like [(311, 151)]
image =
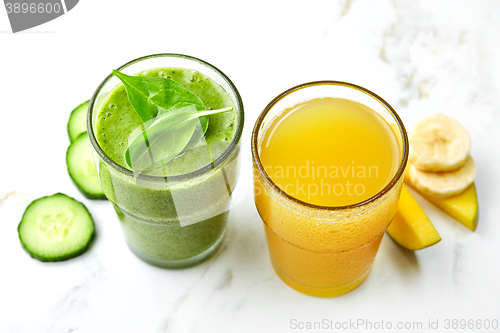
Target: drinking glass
[(175, 221), (312, 248)]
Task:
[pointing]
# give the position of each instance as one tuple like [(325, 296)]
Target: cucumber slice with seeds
[(56, 228), (81, 168), (77, 123)]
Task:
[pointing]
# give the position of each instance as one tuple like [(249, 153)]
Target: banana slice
[(443, 184), (439, 143)]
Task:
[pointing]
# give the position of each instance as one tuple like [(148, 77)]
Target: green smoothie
[(171, 220)]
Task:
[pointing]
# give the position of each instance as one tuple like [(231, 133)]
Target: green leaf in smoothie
[(166, 137), (153, 96)]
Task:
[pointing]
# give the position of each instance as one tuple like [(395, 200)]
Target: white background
[(421, 56)]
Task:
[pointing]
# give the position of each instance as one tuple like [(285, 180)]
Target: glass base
[(321, 292), (181, 263)]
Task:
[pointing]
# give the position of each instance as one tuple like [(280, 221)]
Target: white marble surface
[(421, 56)]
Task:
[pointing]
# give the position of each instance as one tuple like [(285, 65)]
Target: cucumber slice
[(77, 123), (56, 228), (81, 168)]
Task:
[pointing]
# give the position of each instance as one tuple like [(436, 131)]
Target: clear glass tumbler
[(179, 220), (319, 250)]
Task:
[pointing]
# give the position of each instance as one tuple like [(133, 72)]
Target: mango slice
[(411, 228), (462, 207)]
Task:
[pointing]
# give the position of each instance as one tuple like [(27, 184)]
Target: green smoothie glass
[(176, 216)]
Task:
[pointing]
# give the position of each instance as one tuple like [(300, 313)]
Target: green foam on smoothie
[(117, 119)]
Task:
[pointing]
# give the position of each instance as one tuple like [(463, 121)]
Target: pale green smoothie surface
[(117, 119)]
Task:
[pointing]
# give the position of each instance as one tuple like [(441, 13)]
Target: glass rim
[(398, 174), (210, 166)]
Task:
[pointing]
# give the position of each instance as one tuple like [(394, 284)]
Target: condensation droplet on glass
[(193, 78)]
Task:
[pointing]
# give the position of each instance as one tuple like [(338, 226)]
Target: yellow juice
[(332, 153)]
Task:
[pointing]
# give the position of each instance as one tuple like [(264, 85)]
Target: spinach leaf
[(166, 137), (154, 96)]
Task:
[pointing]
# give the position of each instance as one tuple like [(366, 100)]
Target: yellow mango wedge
[(462, 207), (411, 228)]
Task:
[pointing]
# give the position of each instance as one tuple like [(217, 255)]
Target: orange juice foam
[(328, 152)]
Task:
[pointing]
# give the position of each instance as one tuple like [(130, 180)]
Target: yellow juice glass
[(328, 163)]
